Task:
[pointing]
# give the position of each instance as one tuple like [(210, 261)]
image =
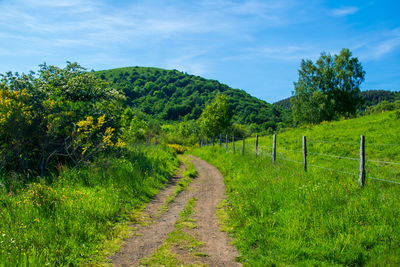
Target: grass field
[(281, 215), (67, 222)]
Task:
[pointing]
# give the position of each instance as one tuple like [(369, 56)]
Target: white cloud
[(375, 46), (344, 11)]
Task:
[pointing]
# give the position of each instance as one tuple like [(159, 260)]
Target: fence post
[(226, 143), (213, 141), (361, 180), (274, 149), (305, 153), (256, 145), (220, 140), (233, 143), (243, 146)]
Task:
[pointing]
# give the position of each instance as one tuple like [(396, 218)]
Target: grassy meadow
[(280, 215), (67, 219)]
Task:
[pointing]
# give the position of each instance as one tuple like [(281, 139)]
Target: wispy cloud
[(375, 46), (284, 52), (343, 11)]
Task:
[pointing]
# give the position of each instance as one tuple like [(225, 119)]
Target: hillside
[(370, 97), (171, 95), (280, 214)]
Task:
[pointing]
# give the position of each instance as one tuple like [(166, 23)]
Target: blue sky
[(252, 45)]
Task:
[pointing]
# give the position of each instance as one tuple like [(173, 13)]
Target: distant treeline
[(370, 98)]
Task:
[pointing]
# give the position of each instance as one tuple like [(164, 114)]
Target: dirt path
[(208, 188)]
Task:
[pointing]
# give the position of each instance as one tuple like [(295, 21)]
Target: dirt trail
[(209, 190)]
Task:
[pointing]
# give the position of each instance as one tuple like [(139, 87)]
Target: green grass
[(68, 221), (183, 184), (281, 215)]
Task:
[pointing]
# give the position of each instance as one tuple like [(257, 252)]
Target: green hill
[(171, 95)]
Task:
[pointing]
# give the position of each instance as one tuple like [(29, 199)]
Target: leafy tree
[(216, 117), (328, 89)]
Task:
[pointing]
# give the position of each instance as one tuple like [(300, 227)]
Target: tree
[(216, 117), (328, 89)]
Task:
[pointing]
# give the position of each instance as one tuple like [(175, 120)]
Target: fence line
[(272, 154)]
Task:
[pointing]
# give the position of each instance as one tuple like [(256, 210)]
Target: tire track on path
[(209, 189)]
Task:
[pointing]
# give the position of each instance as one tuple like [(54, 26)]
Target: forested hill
[(172, 95)]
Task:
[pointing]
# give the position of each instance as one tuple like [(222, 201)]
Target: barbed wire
[(375, 144), (333, 156), (267, 153), (332, 142), (329, 169), (287, 159), (386, 162), (383, 180), (289, 150), (291, 160)]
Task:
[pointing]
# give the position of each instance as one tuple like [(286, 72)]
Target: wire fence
[(263, 150)]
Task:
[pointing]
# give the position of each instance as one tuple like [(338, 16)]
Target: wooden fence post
[(220, 140), (305, 153), (361, 179), (256, 145), (274, 149), (243, 146), (226, 142), (233, 143)]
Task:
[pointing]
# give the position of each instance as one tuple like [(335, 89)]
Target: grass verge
[(281, 215), (67, 221)]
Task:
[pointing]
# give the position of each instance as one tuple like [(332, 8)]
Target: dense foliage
[(328, 89), (170, 95), (57, 115)]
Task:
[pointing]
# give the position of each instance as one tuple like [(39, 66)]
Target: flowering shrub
[(56, 116), (178, 149)]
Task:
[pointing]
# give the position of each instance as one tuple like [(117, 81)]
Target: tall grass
[(282, 215), (67, 221)]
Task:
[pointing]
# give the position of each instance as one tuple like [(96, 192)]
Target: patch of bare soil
[(209, 189), (147, 238)]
